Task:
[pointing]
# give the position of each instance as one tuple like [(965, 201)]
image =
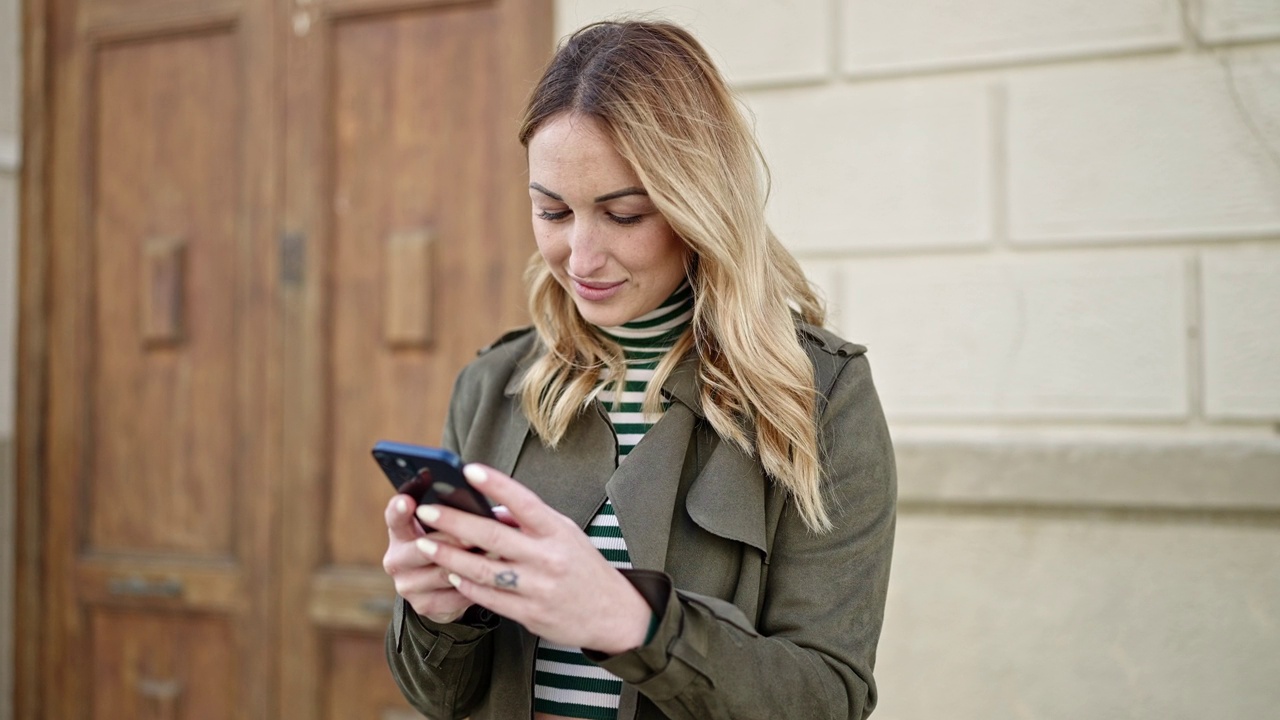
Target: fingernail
[(428, 513), (427, 547), (402, 507), (475, 474), (454, 580)]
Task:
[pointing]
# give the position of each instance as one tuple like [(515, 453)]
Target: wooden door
[(158, 594), (406, 210), (275, 231)]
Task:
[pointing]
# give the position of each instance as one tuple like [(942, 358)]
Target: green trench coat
[(759, 617)]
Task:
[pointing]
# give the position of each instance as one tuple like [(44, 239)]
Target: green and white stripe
[(565, 681), (644, 341)]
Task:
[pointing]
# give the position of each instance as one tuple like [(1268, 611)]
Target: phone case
[(430, 476)]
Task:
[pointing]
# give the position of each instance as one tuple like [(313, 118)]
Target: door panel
[(411, 183), (358, 684), (407, 185), (154, 666), (162, 422), (158, 518)]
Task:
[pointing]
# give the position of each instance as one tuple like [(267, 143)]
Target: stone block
[(751, 42), (1057, 616), (918, 34), (1107, 469), (878, 167), (824, 277), (1234, 20), (1240, 316), (1049, 336), (1170, 149)]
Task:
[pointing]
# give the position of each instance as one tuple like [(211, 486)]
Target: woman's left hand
[(547, 575)]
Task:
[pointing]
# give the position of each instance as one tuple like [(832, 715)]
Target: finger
[(421, 582), (474, 531), (482, 569), (401, 525), (523, 504), (499, 602), (405, 557), (504, 516)]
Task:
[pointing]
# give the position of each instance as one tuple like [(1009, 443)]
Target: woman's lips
[(595, 291)]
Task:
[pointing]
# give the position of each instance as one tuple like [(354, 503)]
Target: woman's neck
[(658, 329)]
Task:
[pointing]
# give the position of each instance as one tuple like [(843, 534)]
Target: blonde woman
[(699, 480)]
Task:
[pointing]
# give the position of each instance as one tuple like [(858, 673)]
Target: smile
[(595, 291)]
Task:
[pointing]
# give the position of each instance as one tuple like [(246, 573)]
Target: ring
[(506, 579)]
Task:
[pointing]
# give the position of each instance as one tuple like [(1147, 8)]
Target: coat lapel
[(571, 480), (644, 487), (726, 498)]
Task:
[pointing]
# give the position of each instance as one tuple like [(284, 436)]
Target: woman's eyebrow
[(544, 191), (622, 193), (603, 198)]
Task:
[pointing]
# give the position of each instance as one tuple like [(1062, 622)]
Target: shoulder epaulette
[(830, 342)]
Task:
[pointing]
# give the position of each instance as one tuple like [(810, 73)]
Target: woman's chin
[(601, 314)]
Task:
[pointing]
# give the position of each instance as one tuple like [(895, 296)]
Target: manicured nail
[(427, 547), (454, 580), (475, 474), (402, 507), (428, 513)]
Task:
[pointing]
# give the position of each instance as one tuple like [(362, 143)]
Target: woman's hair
[(671, 115)]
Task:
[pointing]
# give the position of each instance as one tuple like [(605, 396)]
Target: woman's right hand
[(422, 583)]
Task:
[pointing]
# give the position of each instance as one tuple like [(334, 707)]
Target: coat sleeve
[(442, 669), (812, 653)]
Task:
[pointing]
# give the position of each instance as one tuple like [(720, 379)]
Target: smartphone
[(430, 476)]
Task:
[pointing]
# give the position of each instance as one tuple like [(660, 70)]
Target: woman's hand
[(547, 575), (419, 580)]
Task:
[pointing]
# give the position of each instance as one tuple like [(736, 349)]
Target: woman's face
[(603, 238)]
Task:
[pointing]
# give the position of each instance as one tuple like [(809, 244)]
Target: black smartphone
[(430, 476)]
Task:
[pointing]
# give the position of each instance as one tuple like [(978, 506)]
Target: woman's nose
[(586, 255)]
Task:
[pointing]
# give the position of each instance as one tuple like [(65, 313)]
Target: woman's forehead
[(575, 151)]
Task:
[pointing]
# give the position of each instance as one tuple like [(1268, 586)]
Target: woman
[(677, 399)]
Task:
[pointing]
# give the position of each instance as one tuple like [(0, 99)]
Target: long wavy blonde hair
[(671, 115)]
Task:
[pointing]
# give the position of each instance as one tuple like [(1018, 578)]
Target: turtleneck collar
[(657, 329)]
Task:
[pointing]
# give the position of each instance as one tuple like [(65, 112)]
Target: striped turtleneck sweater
[(565, 681)]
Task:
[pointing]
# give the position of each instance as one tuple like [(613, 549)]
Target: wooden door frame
[(33, 345), (33, 330), (41, 187)]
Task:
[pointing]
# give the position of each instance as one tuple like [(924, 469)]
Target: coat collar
[(681, 385), (727, 497)]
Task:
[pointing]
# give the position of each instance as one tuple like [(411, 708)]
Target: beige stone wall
[(10, 96), (1056, 224)]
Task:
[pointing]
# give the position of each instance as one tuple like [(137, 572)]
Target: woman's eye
[(553, 216), (626, 219)]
